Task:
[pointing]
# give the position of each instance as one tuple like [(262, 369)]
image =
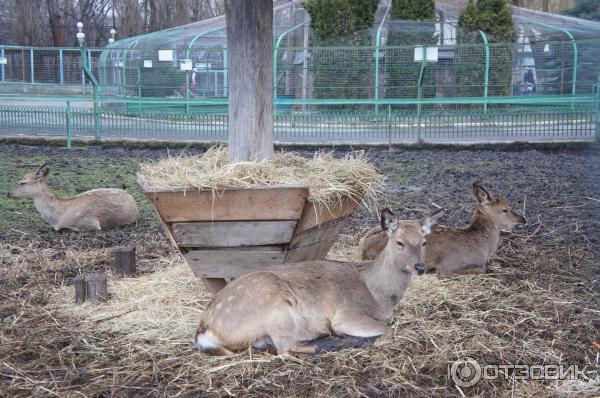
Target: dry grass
[(531, 309), (328, 178)]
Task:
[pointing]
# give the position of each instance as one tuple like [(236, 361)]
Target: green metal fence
[(438, 120), (437, 91)]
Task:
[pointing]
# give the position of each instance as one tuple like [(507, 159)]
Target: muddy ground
[(557, 186)]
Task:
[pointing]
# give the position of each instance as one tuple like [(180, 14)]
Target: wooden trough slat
[(314, 244), (316, 251), (233, 233), (231, 263), (276, 203), (313, 216), (317, 234)]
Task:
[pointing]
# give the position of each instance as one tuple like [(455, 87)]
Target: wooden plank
[(316, 251), (233, 233), (314, 215), (314, 235), (214, 284), (230, 264), (269, 203)]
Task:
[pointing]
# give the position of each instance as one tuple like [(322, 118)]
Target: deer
[(92, 210), (290, 308), (459, 250)]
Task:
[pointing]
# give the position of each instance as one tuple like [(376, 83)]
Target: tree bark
[(250, 64)]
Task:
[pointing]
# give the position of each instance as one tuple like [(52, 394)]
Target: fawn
[(286, 307), (89, 211)]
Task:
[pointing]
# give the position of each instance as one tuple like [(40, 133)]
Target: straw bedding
[(141, 341), (328, 178)]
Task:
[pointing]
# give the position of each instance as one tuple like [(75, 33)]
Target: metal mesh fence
[(401, 82)]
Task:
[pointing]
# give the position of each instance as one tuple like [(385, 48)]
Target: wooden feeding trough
[(226, 234)]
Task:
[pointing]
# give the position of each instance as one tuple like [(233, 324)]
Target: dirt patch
[(538, 305)]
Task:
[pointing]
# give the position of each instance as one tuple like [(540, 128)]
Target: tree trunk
[(250, 64)]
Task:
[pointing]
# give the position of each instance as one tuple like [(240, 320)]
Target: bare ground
[(539, 303)]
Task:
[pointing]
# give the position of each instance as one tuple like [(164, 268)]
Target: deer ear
[(43, 170), (389, 221), (481, 194), (431, 220)]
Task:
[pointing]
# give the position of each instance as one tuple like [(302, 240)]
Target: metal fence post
[(94, 82), (31, 66), (486, 79), (377, 55), (419, 95), (2, 65), (61, 67), (69, 125)]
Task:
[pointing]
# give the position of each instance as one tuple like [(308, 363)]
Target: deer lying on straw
[(459, 250), (89, 211), (288, 307)]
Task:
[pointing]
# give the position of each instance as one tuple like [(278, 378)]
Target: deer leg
[(355, 324)]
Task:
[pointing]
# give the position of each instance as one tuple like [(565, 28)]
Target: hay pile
[(327, 177), (157, 312)]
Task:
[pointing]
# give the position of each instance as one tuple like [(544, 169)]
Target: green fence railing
[(320, 121)]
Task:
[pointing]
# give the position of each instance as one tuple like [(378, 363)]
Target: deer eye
[(424, 243), (400, 244), (504, 211), (21, 183)]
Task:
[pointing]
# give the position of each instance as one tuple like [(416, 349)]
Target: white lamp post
[(80, 35), (113, 32)]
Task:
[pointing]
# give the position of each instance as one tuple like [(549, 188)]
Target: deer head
[(31, 184), (407, 239), (496, 209)]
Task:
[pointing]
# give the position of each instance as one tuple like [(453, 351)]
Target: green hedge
[(344, 72), (413, 9), (494, 17), (401, 72)]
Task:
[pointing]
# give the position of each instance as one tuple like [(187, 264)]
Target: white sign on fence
[(186, 64), (3, 60), (165, 55), (147, 63), (119, 64), (429, 54)]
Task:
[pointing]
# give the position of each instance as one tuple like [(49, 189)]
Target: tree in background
[(586, 9), (343, 73), (53, 22), (494, 18), (417, 10)]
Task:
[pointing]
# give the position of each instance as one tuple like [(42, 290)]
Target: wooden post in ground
[(97, 287), (80, 289), (250, 74), (124, 260)]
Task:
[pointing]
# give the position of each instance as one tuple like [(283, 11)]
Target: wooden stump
[(80, 289), (124, 260), (97, 287)]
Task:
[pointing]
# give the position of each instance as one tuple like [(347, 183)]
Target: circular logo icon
[(465, 372)]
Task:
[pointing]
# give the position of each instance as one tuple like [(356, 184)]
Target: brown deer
[(286, 307), (89, 211), (459, 250)]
